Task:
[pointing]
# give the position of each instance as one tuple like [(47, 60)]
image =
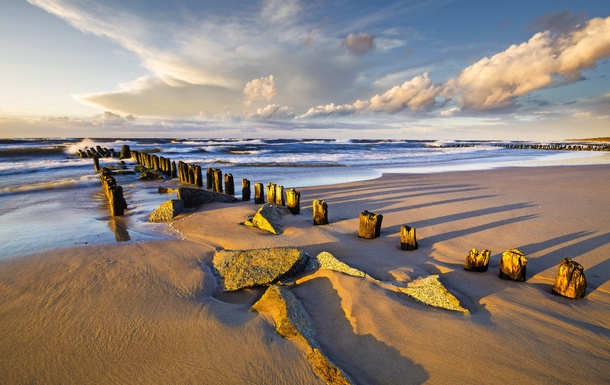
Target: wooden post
[(217, 180), (408, 240), (174, 170), (293, 200), (477, 260), (209, 178), (279, 195), (271, 193), (320, 212), (125, 152), (191, 174), (370, 225), (96, 163), (245, 189), (229, 185), (198, 176), (513, 265), (259, 196)]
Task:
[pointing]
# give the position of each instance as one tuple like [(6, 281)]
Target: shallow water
[(50, 198)]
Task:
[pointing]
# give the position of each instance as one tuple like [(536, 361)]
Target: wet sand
[(150, 312)]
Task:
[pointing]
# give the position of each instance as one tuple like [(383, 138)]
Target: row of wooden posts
[(114, 193)]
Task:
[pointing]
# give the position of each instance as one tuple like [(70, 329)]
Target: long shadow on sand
[(361, 356)]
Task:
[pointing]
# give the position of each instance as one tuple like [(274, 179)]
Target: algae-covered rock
[(260, 267), (267, 218), (167, 211), (293, 323), (431, 291), (151, 175)]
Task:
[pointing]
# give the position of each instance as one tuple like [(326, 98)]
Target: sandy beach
[(152, 313)]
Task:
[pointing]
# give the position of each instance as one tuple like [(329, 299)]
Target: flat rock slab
[(293, 323), (167, 211), (260, 267), (267, 218), (195, 196)]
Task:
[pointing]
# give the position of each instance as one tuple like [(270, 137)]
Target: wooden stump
[(408, 240), (271, 193), (96, 163), (191, 174), (174, 170), (245, 190), (320, 212), (512, 265), (116, 201), (229, 185), (259, 195), (209, 177), (570, 281), (477, 260), (293, 200), (217, 180), (279, 195), (370, 225)]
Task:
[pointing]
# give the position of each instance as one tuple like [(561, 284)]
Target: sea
[(50, 197)]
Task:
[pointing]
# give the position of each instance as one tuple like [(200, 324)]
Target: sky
[(412, 69)]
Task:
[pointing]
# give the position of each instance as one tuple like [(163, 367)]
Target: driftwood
[(320, 212), (370, 225)]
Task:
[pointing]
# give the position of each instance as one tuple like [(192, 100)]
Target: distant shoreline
[(601, 139)]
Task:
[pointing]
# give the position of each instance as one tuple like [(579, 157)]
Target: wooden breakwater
[(114, 193), (538, 146)]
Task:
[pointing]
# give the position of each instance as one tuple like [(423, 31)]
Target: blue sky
[(435, 69)]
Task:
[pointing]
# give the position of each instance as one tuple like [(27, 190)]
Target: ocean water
[(50, 197)]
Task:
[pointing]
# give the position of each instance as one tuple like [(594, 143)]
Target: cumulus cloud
[(273, 112), (541, 62), (415, 94), (260, 89), (360, 44)]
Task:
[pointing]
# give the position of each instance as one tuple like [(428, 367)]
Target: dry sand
[(150, 313)]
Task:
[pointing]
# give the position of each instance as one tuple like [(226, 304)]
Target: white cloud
[(415, 94), (272, 112), (260, 89), (280, 10), (359, 45), (495, 82), (449, 112)]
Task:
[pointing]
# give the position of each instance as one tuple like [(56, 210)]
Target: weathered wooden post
[(125, 152), (229, 184), (191, 173), (245, 189), (96, 163), (408, 240), (198, 176), (512, 265), (370, 225), (293, 200), (279, 195), (181, 171), (209, 178), (477, 260), (570, 281), (116, 201), (259, 195), (217, 180), (174, 169), (270, 192), (320, 212)]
